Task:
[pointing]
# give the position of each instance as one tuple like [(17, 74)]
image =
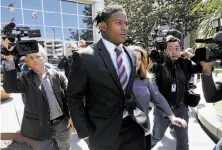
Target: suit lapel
[(109, 63), (38, 84)]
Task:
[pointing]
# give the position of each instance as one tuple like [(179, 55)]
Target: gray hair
[(41, 51)]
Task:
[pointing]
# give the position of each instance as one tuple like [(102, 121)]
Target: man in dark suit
[(46, 116), (104, 74)]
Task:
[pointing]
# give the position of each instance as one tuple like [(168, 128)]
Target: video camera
[(12, 43), (159, 38), (211, 54)]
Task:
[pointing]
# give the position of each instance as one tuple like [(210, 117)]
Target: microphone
[(207, 40), (200, 41)]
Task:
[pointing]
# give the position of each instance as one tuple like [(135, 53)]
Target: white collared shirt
[(126, 60)]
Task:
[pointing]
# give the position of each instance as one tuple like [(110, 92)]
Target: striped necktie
[(121, 68)]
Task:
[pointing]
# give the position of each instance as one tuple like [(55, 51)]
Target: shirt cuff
[(9, 65), (85, 138), (207, 73)]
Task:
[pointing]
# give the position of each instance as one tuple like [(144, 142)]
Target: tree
[(208, 10), (145, 15), (139, 18)]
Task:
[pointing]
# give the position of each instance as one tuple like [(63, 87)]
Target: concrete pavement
[(198, 139), (12, 112), (11, 118), (208, 116)]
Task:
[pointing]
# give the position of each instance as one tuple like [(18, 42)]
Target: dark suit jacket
[(36, 119), (66, 64), (94, 76), (212, 91)]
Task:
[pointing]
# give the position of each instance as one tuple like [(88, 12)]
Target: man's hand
[(9, 58), (187, 54), (178, 121), (207, 67), (71, 124)]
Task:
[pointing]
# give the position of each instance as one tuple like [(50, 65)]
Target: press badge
[(173, 87)]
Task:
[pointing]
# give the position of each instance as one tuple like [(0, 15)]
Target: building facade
[(60, 21)]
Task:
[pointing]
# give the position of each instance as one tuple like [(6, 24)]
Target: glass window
[(70, 34), (16, 3), (32, 4), (40, 28), (69, 7), (29, 18), (85, 9), (51, 5), (69, 20), (53, 33), (85, 22), (86, 35), (52, 19), (7, 16)]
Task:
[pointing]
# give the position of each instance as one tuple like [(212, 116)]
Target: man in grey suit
[(212, 91), (46, 116)]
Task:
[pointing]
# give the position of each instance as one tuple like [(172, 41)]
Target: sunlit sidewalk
[(11, 118)]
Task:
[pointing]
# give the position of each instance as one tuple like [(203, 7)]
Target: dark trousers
[(160, 125), (60, 137), (132, 135)]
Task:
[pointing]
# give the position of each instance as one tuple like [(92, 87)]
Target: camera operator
[(66, 62), (212, 91), (172, 78), (46, 116)]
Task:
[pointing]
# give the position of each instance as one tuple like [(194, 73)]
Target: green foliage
[(208, 10), (144, 16)]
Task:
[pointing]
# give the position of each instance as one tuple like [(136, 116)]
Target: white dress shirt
[(126, 61), (111, 49)]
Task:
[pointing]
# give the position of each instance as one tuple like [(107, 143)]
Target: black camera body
[(159, 38), (15, 45), (211, 54)]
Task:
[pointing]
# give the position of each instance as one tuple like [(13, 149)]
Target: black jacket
[(66, 64), (36, 119), (94, 76), (212, 91), (164, 74)]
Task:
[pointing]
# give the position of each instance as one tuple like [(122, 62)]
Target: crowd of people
[(105, 93)]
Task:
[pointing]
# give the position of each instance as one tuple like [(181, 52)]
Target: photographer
[(172, 78), (212, 91), (46, 116), (66, 62)]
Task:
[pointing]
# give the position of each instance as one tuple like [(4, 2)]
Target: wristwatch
[(207, 73)]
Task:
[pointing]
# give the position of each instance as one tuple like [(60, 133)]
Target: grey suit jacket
[(36, 120)]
